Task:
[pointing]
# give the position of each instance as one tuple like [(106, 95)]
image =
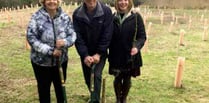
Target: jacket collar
[(121, 20), (82, 14)]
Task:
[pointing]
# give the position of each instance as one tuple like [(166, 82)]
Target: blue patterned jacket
[(42, 32)]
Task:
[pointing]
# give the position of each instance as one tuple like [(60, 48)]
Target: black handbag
[(133, 65)]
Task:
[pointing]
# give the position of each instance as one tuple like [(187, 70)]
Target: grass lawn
[(156, 83)]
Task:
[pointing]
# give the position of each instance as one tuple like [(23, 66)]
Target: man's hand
[(96, 58), (134, 51), (88, 60), (57, 53)]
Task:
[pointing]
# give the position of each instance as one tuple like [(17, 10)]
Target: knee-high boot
[(125, 89), (118, 90)]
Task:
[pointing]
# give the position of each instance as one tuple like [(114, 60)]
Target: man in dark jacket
[(93, 25)]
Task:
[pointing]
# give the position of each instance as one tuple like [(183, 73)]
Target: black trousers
[(45, 76), (97, 78)]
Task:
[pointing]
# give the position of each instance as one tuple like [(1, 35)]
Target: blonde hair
[(130, 5), (42, 2)]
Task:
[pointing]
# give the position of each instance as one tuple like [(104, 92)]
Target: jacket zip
[(55, 37)]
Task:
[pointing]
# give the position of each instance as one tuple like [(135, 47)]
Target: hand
[(88, 60), (60, 43), (57, 53), (134, 51), (96, 58)]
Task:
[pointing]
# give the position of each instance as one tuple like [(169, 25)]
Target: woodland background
[(195, 4)]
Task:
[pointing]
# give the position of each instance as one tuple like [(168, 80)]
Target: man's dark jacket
[(93, 36)]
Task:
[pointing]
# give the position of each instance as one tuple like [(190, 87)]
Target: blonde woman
[(124, 51), (50, 33)]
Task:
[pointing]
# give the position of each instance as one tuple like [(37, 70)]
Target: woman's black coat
[(122, 41)]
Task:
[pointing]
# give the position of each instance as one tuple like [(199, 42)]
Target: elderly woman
[(50, 33), (124, 50)]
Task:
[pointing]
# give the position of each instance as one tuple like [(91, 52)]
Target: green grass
[(155, 85)]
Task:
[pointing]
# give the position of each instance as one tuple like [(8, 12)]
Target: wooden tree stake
[(184, 15), (9, 18), (18, 8), (205, 22), (27, 46), (145, 19), (190, 22), (176, 22), (179, 72), (162, 17), (37, 6), (205, 33), (201, 18), (171, 27), (181, 37), (173, 15), (145, 47), (149, 28)]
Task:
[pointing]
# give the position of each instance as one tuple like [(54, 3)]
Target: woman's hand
[(134, 51), (60, 43), (57, 53)]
